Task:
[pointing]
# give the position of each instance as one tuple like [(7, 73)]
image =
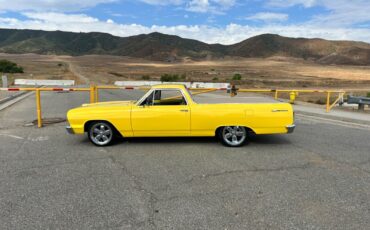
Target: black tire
[(101, 133), (233, 136)]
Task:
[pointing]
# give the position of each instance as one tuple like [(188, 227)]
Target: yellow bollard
[(328, 103), (292, 96), (96, 94), (92, 93), (276, 94), (38, 108)]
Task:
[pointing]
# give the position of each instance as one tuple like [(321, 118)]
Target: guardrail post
[(92, 94), (328, 102), (292, 96), (276, 94), (96, 94), (38, 108)]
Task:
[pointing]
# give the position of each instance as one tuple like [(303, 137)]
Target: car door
[(165, 112)]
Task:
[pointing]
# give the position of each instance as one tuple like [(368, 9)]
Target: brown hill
[(161, 47)]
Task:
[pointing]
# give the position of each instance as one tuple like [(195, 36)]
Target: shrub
[(368, 94), (116, 74), (169, 77), (183, 76), (145, 77), (10, 67), (237, 77), (215, 79), (60, 64)]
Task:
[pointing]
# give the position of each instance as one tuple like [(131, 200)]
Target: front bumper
[(290, 128), (69, 130)]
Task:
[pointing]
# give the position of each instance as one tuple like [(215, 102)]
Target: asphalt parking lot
[(315, 178)]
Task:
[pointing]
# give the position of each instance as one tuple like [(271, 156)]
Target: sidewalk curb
[(11, 100), (328, 116)]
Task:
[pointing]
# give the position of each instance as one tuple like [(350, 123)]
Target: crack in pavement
[(206, 176), (139, 186)]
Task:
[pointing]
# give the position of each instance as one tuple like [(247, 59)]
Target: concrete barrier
[(188, 84), (37, 82)]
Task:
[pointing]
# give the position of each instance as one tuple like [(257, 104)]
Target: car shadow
[(253, 139)]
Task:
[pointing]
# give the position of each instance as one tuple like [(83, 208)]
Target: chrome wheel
[(234, 135), (101, 133)]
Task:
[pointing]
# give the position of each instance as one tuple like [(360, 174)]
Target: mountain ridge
[(162, 47)]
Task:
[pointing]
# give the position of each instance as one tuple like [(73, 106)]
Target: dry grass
[(277, 72)]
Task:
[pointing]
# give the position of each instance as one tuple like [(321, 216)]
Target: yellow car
[(170, 111)]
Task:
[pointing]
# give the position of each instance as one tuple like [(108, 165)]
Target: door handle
[(184, 110)]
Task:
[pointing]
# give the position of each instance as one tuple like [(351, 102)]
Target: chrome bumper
[(69, 130), (290, 128)]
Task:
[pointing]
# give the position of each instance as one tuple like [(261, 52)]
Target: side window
[(169, 97), (148, 100)]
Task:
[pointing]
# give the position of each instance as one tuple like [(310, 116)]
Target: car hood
[(109, 103)]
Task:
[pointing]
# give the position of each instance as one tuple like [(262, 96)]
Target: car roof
[(169, 86)]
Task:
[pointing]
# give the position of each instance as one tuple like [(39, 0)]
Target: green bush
[(237, 77), (183, 76), (10, 67), (169, 77), (215, 79), (368, 94), (145, 77)]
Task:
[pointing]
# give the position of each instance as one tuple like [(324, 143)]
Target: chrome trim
[(290, 128), (279, 110), (70, 130)]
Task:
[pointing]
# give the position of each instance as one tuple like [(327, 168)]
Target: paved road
[(316, 178)]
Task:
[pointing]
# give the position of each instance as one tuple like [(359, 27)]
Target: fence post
[(96, 94), (92, 93), (38, 107), (276, 94), (328, 102)]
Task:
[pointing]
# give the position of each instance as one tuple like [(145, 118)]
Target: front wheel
[(233, 136), (101, 133)]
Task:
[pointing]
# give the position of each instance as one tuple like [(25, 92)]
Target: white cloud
[(163, 2), (288, 3), (60, 18), (44, 5), (342, 13), (211, 6), (229, 34), (268, 17), (198, 6)]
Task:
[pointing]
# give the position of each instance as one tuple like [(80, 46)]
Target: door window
[(165, 97)]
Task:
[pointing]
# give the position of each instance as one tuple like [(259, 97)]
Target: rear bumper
[(290, 128), (70, 130)]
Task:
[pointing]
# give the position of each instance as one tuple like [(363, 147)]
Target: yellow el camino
[(170, 111)]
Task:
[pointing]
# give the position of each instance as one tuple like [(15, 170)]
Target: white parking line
[(335, 122), (12, 136)]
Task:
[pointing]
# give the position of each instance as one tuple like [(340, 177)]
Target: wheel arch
[(88, 123), (249, 130)]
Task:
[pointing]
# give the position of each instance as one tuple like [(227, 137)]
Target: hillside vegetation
[(161, 47), (9, 67)]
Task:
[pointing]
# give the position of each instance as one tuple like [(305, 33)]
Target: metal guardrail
[(361, 101), (94, 93)]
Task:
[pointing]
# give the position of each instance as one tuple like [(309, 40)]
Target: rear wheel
[(233, 136), (101, 133)]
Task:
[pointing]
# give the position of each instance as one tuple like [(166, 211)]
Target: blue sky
[(211, 21)]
